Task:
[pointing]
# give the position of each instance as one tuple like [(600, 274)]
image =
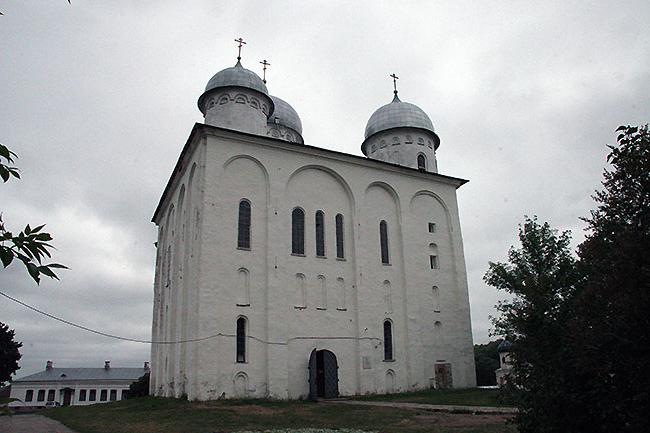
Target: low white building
[(74, 386)]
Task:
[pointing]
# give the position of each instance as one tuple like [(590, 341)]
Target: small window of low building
[(29, 395), (125, 394), (92, 395), (113, 395), (41, 395), (82, 395), (103, 395), (50, 395)]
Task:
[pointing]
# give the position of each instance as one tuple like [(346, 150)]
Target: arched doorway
[(323, 375)]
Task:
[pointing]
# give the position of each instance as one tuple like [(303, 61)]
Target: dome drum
[(410, 147)]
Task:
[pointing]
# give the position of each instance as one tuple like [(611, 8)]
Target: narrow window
[(422, 162), (433, 256), (41, 395), (103, 395), (82, 395), (241, 340), (298, 231), (340, 249), (432, 227), (320, 234), (244, 228), (436, 299), (383, 240), (92, 395), (433, 261), (388, 341), (29, 395), (125, 394), (168, 264), (113, 396), (50, 395)]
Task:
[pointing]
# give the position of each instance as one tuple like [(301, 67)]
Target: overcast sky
[(97, 98)]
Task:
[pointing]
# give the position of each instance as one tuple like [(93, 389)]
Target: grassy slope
[(149, 415), (465, 397)]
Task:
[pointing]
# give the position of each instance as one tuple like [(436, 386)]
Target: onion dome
[(398, 114), (236, 76), (285, 115), (504, 346)]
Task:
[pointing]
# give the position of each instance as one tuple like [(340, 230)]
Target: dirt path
[(431, 407), (31, 423)]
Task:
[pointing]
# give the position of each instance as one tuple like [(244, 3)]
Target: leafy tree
[(31, 245), (486, 359), (9, 354), (541, 276), (613, 309), (140, 388)]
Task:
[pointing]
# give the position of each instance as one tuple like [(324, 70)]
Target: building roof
[(98, 374), (398, 114), (285, 115)]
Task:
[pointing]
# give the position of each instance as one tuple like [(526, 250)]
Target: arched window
[(298, 231), (388, 340), (383, 242), (433, 256), (241, 339), (422, 162), (320, 233), (244, 231), (340, 249)]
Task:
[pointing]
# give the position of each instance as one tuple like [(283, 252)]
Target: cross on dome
[(395, 78), (265, 63), (241, 43)]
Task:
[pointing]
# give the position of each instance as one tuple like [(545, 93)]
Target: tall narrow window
[(340, 249), (298, 231), (383, 241), (29, 395), (433, 256), (103, 395), (320, 234), (422, 162), (41, 395), (82, 395), (92, 395), (244, 230), (50, 395), (388, 341), (241, 339), (113, 395)]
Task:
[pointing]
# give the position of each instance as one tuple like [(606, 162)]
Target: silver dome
[(237, 76), (398, 114), (285, 115)]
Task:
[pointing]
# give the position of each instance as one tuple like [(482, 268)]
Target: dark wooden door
[(330, 375), (443, 376), (67, 396), (313, 391)]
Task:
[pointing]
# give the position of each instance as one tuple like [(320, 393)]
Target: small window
[(168, 264), (29, 395), (82, 395), (433, 261), (383, 241), (340, 249), (244, 227), (320, 233), (41, 395), (241, 339), (388, 341), (432, 227), (103, 395), (50, 395), (113, 396), (92, 395), (298, 231), (422, 162), (125, 394)]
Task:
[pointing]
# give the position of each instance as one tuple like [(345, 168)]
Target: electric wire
[(191, 340)]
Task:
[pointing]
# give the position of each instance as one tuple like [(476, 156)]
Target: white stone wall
[(19, 391), (281, 295)]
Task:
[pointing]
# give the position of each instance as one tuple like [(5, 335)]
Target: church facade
[(290, 271)]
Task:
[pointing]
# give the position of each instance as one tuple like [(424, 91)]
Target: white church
[(289, 271)]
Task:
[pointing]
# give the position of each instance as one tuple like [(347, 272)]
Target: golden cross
[(265, 63), (241, 43)]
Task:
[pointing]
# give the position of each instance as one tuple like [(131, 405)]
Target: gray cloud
[(98, 98)]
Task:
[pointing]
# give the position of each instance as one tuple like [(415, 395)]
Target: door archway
[(323, 375)]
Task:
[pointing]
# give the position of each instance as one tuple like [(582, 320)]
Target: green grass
[(160, 415), (464, 397)]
